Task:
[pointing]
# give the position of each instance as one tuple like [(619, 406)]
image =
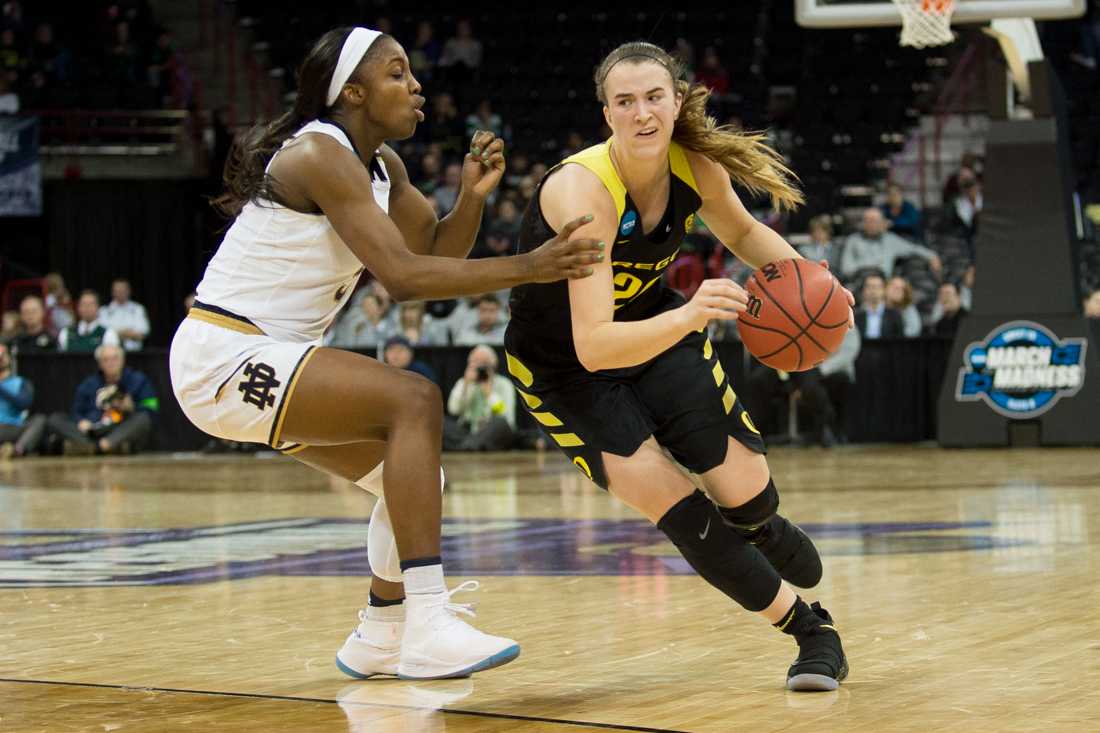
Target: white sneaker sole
[(359, 675), (431, 671)]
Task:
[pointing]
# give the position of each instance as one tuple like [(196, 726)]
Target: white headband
[(356, 44)]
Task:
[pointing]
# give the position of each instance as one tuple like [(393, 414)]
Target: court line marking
[(292, 698)]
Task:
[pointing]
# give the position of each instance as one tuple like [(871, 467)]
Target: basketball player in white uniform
[(318, 197)]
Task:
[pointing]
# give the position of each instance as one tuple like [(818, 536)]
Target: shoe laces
[(463, 608)]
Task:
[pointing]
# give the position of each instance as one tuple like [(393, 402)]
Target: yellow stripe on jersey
[(728, 399), (567, 440), (519, 371), (707, 350), (678, 162), (532, 401), (598, 160), (718, 373), (547, 418)]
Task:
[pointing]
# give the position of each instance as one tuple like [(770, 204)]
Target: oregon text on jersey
[(1021, 369)]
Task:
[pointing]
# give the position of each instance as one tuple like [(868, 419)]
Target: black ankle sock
[(378, 602), (800, 619)]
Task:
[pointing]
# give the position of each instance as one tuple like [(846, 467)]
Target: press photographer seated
[(482, 406), (112, 412)]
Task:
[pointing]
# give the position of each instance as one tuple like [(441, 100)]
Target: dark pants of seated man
[(495, 434), (767, 395), (134, 431), (26, 437)]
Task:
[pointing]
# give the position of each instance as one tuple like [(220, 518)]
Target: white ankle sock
[(424, 579), (387, 614)]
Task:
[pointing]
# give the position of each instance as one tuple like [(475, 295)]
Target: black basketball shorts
[(683, 398)]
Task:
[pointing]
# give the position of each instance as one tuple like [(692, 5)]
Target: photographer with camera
[(482, 406), (113, 409)]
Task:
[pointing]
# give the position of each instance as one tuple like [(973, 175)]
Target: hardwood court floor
[(161, 594)]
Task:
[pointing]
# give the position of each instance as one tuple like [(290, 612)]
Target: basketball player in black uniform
[(617, 367)]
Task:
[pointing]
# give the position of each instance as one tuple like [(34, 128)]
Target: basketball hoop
[(926, 22)]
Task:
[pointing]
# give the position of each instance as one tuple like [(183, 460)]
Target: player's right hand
[(719, 299), (558, 258)]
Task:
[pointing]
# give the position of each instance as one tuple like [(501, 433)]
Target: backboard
[(855, 13)]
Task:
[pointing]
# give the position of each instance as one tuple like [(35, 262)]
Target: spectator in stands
[(397, 352), (112, 411), (88, 332), (125, 317), (462, 50), (12, 59), (481, 406), (1091, 305), (9, 100), (424, 54), (574, 143), (489, 326), (951, 311), (903, 215), (821, 393), (162, 63), (46, 56), (369, 325), (822, 246), (33, 338), (59, 304), (965, 289), (9, 326), (970, 162), (712, 74), (444, 126), (447, 194), (121, 62), (899, 296), (484, 118), (874, 248), (419, 328), (19, 434), (966, 208), (874, 318), (430, 177)]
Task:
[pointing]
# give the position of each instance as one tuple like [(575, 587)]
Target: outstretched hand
[(558, 258)]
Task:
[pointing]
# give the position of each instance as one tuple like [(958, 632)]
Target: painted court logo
[(1021, 369)]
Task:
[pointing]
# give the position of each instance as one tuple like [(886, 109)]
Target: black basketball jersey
[(540, 329)]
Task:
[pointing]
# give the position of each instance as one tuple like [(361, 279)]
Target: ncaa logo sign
[(1021, 370), (630, 219)]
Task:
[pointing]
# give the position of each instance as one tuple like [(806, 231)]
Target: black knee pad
[(723, 557), (753, 514)]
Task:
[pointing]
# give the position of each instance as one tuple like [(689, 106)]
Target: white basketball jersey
[(287, 272)]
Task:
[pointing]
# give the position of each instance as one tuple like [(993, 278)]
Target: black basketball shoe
[(790, 551), (821, 664)]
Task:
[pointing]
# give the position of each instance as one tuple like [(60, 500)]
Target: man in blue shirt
[(18, 434), (113, 409)]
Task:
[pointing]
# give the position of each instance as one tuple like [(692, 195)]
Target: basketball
[(797, 315)]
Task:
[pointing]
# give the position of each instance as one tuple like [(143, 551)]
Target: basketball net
[(925, 22)]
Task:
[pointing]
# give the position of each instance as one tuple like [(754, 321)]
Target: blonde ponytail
[(746, 156)]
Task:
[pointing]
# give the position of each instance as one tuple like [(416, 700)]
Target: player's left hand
[(483, 166), (851, 299)]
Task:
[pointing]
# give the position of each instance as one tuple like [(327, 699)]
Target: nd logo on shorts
[(630, 220)]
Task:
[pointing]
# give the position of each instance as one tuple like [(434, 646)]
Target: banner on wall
[(20, 169)]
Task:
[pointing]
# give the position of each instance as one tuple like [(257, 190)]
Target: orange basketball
[(797, 315)]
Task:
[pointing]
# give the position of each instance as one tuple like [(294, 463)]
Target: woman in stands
[(617, 369), (317, 198)]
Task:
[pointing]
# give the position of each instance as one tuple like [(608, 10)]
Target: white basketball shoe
[(374, 648), (438, 644)]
